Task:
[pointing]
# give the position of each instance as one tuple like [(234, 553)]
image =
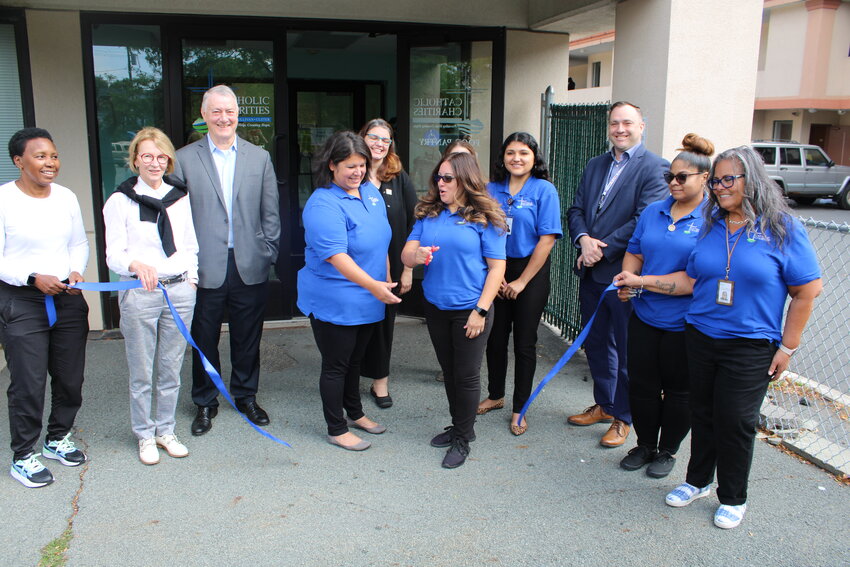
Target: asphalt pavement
[(550, 497)]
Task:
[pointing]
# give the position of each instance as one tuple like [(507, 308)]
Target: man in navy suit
[(615, 188)]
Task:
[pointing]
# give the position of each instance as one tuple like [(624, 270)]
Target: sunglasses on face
[(445, 178), (727, 181), (376, 138), (147, 159), (681, 177)]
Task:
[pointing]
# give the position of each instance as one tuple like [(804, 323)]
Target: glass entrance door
[(247, 66)]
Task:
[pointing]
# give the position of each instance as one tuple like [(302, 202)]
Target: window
[(782, 130), (11, 103), (815, 157), (790, 156), (596, 77), (768, 154)]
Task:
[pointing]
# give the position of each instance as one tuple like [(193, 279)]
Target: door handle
[(783, 169)]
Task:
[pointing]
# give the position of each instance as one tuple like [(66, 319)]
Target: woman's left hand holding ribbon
[(73, 278)]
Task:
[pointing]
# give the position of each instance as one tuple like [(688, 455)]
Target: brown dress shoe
[(616, 434), (593, 414)]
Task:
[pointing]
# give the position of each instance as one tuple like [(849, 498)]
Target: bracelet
[(640, 291), (786, 350)]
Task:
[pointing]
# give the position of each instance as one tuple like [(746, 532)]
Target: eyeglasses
[(376, 138), (681, 177), (161, 159), (445, 178), (727, 181)]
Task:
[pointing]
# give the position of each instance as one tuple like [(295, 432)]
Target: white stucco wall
[(786, 44), (691, 66), (534, 61), (58, 95)]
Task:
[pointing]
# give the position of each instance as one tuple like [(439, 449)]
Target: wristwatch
[(480, 311), (786, 350), (31, 279)]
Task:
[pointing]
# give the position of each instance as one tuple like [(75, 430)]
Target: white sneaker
[(148, 453), (686, 493), (728, 517), (172, 446)]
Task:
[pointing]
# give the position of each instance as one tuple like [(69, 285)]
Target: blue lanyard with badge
[(520, 203), (725, 286)]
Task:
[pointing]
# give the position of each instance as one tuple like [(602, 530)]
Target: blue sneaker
[(64, 451), (728, 517), (686, 493), (30, 472)]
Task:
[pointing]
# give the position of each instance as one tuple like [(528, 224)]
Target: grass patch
[(53, 554)]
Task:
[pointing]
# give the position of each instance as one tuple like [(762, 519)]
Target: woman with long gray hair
[(751, 255)]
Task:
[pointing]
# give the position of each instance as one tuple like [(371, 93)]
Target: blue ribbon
[(181, 326), (567, 355)]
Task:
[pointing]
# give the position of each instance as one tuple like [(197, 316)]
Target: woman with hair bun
[(664, 237), (751, 256), (531, 205), (460, 238)]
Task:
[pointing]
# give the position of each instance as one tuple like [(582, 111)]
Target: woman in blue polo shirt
[(530, 202), (343, 285), (751, 255), (460, 237), (664, 237)]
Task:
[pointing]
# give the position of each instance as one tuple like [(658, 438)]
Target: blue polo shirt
[(664, 251), (535, 211), (455, 277), (762, 274), (336, 222)]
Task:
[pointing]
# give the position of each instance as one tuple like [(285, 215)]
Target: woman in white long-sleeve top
[(150, 237), (43, 249)]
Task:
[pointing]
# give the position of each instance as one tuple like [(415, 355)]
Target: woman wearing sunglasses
[(664, 237), (530, 202), (150, 237), (386, 173), (459, 236), (751, 255)]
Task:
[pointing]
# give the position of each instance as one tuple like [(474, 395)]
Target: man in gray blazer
[(234, 198)]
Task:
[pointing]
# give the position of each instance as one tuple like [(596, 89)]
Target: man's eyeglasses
[(445, 178), (376, 138), (161, 159), (681, 177), (727, 181)]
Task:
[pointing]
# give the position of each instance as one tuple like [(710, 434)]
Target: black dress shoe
[(253, 412), (382, 402), (203, 421)]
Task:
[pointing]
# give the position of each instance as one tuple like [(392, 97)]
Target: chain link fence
[(577, 133), (808, 407)]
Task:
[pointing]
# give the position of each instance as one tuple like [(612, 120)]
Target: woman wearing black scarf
[(150, 237)]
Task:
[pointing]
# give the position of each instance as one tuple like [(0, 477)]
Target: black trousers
[(658, 386), (460, 360), (522, 316), (376, 361), (33, 350), (728, 383), (245, 304), (342, 348)]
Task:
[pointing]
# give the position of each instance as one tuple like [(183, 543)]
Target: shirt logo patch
[(374, 200), (691, 228), (756, 235)]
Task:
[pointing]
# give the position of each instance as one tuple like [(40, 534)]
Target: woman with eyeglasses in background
[(663, 239), (530, 202), (388, 176), (459, 236), (751, 255), (150, 237)]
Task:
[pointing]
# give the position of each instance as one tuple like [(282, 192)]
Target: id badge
[(510, 221), (725, 292)]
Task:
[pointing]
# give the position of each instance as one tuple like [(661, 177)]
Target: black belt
[(168, 281)]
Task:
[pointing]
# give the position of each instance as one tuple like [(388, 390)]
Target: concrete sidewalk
[(550, 497)]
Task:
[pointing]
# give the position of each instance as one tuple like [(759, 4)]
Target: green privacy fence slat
[(578, 133)]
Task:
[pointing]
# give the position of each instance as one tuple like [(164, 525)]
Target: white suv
[(805, 172)]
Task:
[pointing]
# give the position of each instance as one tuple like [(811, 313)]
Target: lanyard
[(728, 251), (620, 166)]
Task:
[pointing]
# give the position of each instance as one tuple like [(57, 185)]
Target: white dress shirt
[(225, 164), (129, 239), (42, 236)]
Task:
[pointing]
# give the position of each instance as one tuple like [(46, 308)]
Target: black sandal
[(382, 402)]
